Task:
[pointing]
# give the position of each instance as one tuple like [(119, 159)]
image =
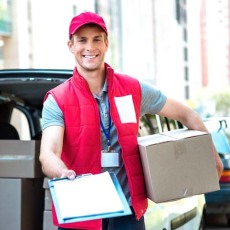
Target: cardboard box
[(178, 164), (47, 214), (48, 222), (20, 159), (48, 197), (21, 202)]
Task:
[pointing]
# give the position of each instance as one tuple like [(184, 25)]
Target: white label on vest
[(110, 159), (126, 109)]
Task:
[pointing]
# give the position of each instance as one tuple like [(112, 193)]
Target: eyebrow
[(98, 36)]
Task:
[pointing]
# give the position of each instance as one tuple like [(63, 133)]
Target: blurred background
[(181, 46)]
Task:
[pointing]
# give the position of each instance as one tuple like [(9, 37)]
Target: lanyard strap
[(107, 132)]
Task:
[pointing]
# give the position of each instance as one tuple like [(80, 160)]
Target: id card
[(109, 159)]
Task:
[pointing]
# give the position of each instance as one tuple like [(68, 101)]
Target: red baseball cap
[(86, 18)]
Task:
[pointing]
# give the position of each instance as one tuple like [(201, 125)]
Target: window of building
[(5, 17), (186, 73), (186, 92), (185, 54)]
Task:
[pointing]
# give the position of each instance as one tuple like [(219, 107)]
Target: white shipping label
[(126, 109)]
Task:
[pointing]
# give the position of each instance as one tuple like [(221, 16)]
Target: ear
[(70, 45), (106, 43)]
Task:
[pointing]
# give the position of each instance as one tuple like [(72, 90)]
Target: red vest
[(82, 142)]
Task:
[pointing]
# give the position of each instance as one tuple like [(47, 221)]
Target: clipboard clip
[(83, 175), (66, 178)]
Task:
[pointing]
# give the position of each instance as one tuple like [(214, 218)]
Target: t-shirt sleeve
[(153, 99), (51, 113)]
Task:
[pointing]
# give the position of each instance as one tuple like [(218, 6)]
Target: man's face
[(89, 45)]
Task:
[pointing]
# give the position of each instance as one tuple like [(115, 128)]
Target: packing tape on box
[(179, 148), (16, 157), (187, 192)]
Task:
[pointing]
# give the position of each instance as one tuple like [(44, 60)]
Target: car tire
[(228, 219), (202, 221)]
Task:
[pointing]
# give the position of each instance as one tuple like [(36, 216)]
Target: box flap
[(168, 136), (183, 133), (154, 139)]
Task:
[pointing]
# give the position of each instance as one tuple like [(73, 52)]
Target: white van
[(21, 97)]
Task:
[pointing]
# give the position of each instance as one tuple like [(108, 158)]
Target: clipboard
[(116, 206)]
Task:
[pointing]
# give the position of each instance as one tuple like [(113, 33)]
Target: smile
[(90, 56)]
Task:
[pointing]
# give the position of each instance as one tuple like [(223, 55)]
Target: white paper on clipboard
[(87, 195)]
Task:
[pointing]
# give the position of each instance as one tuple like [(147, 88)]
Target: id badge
[(109, 159)]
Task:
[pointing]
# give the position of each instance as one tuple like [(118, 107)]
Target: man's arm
[(50, 153), (177, 111)]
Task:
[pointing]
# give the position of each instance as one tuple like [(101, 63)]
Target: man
[(96, 112)]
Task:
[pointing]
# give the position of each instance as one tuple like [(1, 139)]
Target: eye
[(98, 39), (81, 40)]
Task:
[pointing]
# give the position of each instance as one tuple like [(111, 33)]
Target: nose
[(89, 46)]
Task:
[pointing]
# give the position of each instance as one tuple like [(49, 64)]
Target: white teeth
[(90, 56)]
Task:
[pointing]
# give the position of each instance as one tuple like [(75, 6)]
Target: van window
[(20, 122)]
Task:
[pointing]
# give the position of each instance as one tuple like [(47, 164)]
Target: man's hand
[(70, 174)]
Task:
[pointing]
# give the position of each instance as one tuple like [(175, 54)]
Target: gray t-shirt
[(152, 102)]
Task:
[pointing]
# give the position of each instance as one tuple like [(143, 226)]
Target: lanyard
[(107, 132)]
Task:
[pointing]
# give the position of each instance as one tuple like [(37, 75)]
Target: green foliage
[(222, 100)]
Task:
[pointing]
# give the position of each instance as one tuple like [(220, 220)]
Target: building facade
[(170, 43)]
